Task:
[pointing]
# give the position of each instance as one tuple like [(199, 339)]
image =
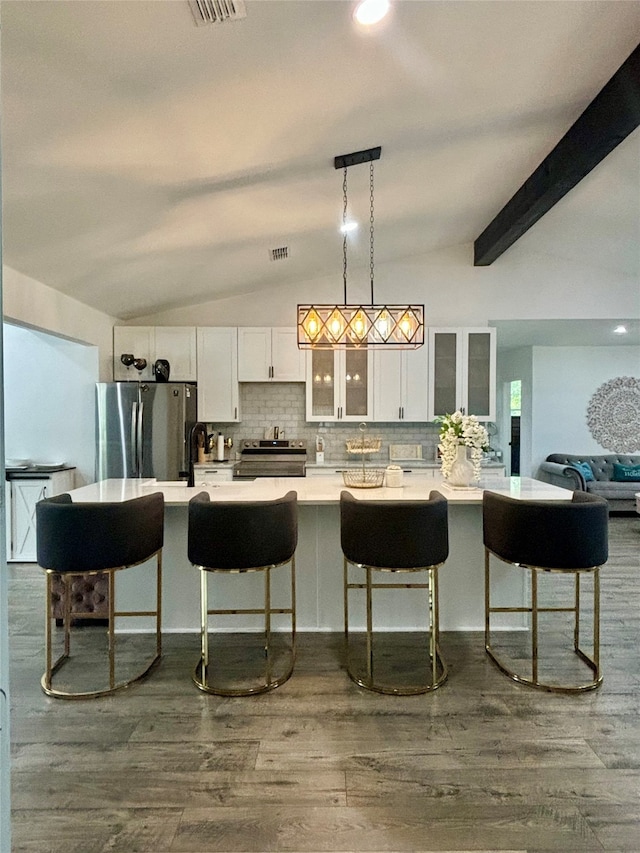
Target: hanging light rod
[(355, 325), (343, 161)]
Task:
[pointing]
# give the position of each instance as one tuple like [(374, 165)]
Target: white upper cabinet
[(400, 385), (138, 341), (269, 355), (339, 386), (218, 390), (176, 344), (462, 372)]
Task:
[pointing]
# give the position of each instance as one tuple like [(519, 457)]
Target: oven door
[(251, 470)]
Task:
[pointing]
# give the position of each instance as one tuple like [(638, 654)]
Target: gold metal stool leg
[(202, 677), (534, 609), (437, 670), (51, 668)]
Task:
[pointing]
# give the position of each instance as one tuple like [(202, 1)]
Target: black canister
[(161, 370)]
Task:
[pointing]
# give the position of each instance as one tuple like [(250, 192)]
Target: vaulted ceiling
[(149, 163)]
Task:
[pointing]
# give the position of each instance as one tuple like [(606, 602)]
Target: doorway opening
[(515, 402)]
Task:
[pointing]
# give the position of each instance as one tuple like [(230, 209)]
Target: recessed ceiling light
[(348, 227), (369, 12), (620, 330)]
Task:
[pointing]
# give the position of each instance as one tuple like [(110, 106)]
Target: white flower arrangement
[(458, 429)]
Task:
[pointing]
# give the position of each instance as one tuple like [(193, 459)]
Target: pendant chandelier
[(342, 326)]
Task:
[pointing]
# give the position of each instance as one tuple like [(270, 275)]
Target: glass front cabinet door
[(339, 385), (462, 372)]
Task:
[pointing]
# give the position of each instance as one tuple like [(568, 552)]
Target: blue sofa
[(557, 469)]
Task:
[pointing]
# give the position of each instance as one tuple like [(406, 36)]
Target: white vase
[(461, 473)]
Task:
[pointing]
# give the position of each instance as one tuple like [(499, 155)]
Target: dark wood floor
[(321, 765)]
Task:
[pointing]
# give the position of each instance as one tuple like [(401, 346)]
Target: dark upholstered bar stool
[(555, 537), (234, 538), (75, 539), (403, 536)]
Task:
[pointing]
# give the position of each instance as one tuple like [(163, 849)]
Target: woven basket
[(359, 478), (363, 444)]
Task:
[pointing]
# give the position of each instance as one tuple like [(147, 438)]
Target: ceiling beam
[(612, 115)]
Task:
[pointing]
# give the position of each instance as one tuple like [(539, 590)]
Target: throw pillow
[(585, 470), (624, 473)]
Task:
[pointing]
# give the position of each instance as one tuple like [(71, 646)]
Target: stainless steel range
[(277, 457)]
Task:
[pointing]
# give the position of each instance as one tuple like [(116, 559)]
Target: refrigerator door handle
[(134, 445), (139, 441)]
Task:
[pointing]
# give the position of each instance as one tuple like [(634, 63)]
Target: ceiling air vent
[(216, 11), (279, 254)]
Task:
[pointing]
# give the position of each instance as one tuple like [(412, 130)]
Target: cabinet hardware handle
[(235, 413)]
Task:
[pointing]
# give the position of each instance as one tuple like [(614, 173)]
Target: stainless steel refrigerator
[(142, 429)]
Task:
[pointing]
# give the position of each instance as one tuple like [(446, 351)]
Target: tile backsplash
[(264, 405)]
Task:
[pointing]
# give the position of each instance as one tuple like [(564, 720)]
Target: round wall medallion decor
[(613, 415)]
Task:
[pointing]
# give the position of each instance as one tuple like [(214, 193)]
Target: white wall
[(31, 303), (522, 284), (49, 399), (564, 380)]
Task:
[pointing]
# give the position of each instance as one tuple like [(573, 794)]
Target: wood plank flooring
[(319, 764)]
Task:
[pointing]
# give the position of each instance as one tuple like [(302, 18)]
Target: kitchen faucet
[(197, 430)]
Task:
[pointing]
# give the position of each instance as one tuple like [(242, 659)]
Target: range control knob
[(247, 444), (255, 443)]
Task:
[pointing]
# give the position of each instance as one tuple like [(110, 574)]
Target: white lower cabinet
[(22, 497), (211, 474)]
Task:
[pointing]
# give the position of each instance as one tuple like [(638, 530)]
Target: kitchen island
[(319, 558)]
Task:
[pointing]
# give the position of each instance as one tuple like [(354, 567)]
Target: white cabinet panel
[(177, 344), (218, 391), (138, 341), (400, 385), (288, 362), (269, 355), (206, 475), (254, 354), (23, 495)]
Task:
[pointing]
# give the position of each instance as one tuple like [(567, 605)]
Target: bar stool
[(76, 539), (237, 538), (552, 537), (396, 537)]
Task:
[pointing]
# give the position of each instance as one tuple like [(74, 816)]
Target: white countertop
[(314, 490)]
